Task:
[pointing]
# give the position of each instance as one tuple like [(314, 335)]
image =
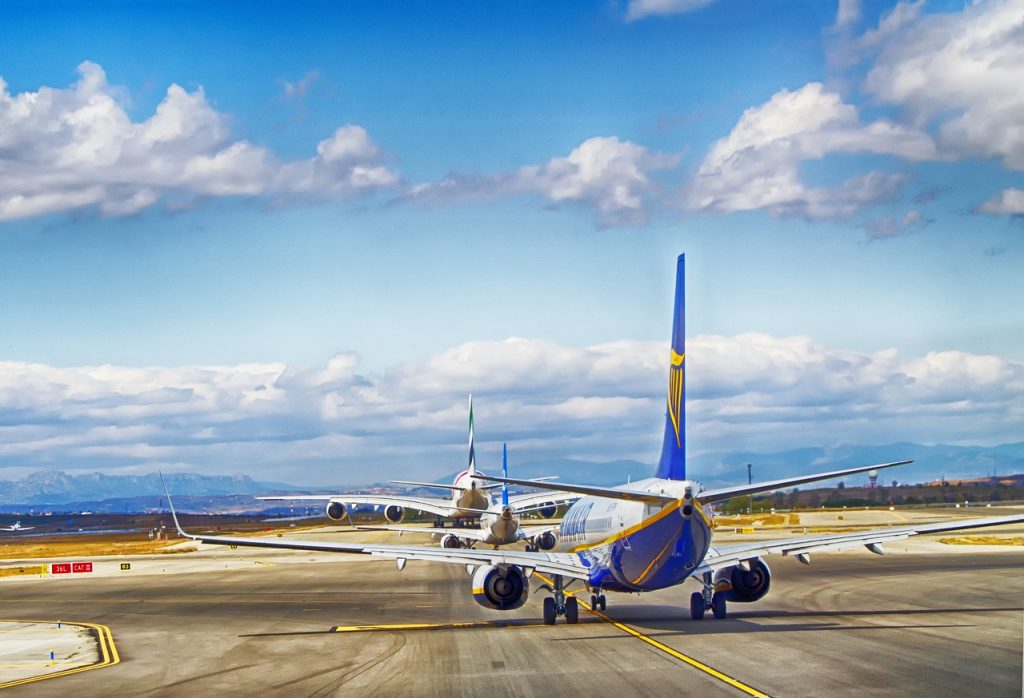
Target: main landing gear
[(558, 604), (701, 601)]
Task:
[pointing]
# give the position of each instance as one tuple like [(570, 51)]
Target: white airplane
[(643, 536), (499, 525), (16, 526), (470, 500)]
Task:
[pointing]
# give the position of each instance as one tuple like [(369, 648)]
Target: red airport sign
[(60, 568), (81, 567)]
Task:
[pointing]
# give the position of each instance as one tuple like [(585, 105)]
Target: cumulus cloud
[(74, 148), (611, 176), (338, 423), (757, 166), (1009, 202), (638, 9), (961, 71)]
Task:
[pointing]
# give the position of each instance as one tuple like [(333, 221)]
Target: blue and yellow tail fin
[(672, 465), (504, 474)]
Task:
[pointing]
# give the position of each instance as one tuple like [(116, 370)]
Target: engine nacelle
[(394, 513), (451, 540), (502, 587), (545, 541), (336, 511), (743, 585), (548, 512)]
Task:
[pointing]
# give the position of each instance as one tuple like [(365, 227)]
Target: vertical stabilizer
[(672, 465), (504, 474), (472, 450)]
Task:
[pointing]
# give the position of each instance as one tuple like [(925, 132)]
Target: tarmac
[(927, 618)]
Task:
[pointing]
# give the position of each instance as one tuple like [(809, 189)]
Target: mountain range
[(95, 491)]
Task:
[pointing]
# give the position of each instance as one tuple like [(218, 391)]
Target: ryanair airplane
[(642, 536)]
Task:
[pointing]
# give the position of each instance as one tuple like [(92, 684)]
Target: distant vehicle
[(499, 525), (470, 502), (16, 526), (646, 535)]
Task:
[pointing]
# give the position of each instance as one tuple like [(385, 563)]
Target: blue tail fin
[(472, 449), (672, 465), (504, 474)]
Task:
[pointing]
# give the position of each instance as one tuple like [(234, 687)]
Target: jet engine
[(548, 512), (743, 585), (336, 511), (503, 587), (545, 541), (451, 540), (394, 513)]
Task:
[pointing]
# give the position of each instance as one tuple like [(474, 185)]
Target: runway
[(908, 624)]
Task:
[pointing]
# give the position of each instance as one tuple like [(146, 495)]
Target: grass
[(91, 548), (759, 519), (983, 540)]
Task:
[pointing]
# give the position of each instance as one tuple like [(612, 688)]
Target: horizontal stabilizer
[(723, 493), (591, 490)]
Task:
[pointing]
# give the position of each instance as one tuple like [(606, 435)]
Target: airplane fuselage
[(468, 493), (634, 546)]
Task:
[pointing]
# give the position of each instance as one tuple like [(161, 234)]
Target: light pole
[(750, 497)]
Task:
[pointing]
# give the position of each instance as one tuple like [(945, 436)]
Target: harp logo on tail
[(675, 391)]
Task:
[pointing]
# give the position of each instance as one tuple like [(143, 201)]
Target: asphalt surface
[(922, 623)]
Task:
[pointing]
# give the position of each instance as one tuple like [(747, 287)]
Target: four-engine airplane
[(642, 536), (470, 502), (499, 525)]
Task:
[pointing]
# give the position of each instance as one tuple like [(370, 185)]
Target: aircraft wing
[(565, 564), (801, 547), (540, 500), (431, 505), (717, 495)]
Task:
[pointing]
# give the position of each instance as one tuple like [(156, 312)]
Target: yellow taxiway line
[(108, 651), (710, 671)]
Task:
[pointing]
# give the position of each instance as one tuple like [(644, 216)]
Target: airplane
[(639, 537), (470, 500), (16, 526), (499, 525)]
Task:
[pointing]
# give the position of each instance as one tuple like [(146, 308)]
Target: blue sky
[(256, 189)]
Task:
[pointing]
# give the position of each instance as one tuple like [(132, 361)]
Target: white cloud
[(66, 149), (962, 71), (892, 226), (757, 166), (1009, 202), (297, 90), (638, 9), (605, 173), (339, 424)]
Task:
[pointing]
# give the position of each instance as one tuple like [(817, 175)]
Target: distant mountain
[(204, 493), (52, 487)]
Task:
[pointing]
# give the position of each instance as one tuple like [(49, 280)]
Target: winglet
[(174, 514), (504, 474)]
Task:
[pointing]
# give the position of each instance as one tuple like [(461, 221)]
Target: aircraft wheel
[(603, 601), (696, 605), (549, 611), (572, 610), (718, 605), (595, 602)]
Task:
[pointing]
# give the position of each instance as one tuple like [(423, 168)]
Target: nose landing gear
[(558, 604), (708, 599)]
